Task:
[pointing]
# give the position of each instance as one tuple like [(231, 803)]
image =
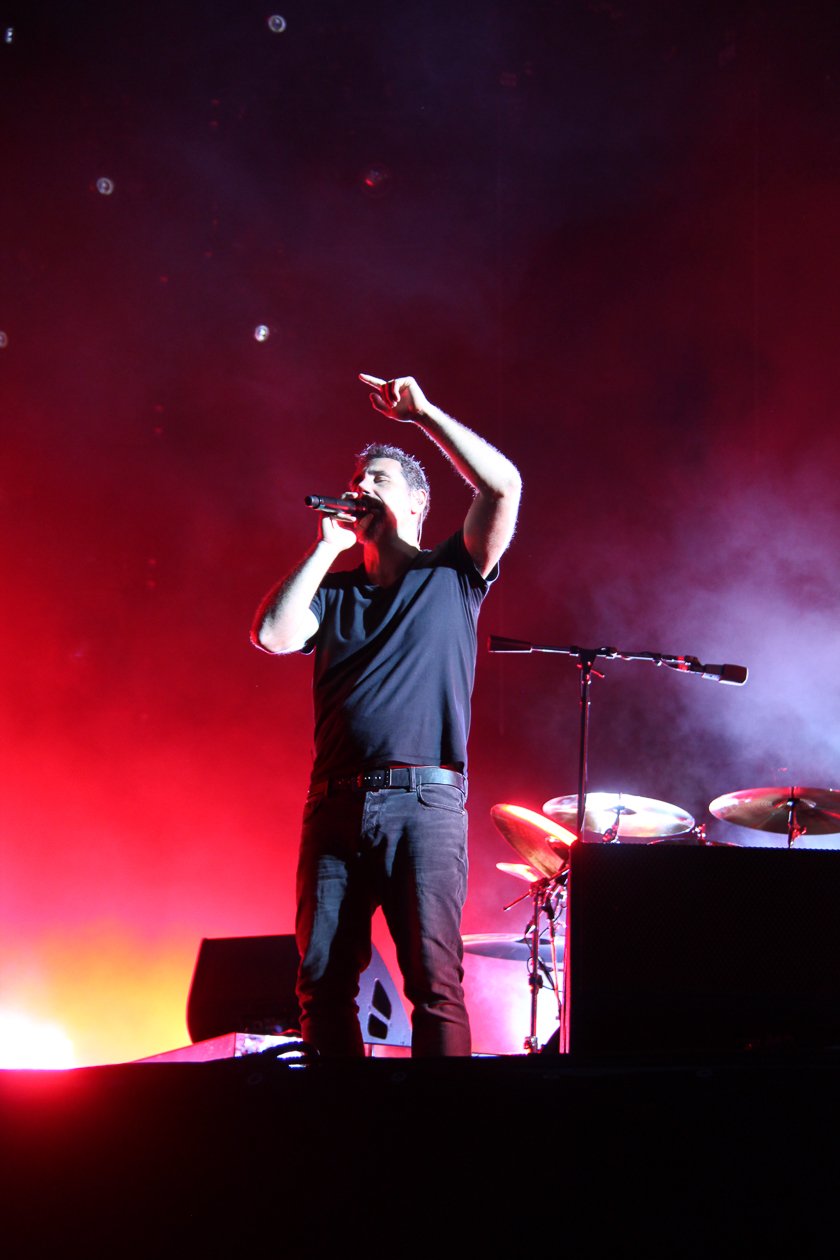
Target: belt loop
[(412, 778)]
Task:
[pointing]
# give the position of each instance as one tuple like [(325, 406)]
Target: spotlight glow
[(261, 332), (276, 23), (4, 340), (105, 186), (31, 1043)]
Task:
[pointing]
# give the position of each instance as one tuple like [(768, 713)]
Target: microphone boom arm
[(733, 674)]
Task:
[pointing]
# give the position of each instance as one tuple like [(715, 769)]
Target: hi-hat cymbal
[(635, 817), (543, 843), (816, 811), (520, 870), (503, 945)]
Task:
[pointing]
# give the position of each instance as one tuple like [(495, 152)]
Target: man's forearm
[(491, 520), (282, 622)]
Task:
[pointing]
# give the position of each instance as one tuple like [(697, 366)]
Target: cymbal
[(636, 817), (504, 945), (543, 843), (520, 870), (691, 838), (816, 811)]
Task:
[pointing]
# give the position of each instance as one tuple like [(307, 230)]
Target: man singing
[(385, 821)]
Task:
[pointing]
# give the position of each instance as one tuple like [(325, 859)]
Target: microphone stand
[(586, 662), (586, 658)]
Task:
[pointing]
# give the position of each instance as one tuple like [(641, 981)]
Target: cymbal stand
[(794, 831), (611, 835), (547, 897)]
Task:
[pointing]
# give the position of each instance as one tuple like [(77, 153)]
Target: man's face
[(383, 480)]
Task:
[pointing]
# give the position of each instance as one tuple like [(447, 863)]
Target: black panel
[(702, 948)]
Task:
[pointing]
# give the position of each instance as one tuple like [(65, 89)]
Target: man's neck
[(385, 563)]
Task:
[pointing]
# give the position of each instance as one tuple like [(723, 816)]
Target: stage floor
[(482, 1156)]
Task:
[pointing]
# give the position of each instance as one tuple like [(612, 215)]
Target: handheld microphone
[(332, 507)]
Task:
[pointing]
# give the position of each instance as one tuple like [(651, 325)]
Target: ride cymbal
[(815, 811), (542, 842), (634, 817)]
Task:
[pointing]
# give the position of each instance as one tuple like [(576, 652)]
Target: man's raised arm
[(491, 520)]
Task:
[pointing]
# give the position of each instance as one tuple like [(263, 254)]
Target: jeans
[(406, 851)]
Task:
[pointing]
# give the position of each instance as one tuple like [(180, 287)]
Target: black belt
[(388, 777)]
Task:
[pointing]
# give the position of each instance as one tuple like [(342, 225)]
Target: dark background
[(602, 234)]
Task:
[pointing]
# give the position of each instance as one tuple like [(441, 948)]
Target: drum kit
[(543, 840)]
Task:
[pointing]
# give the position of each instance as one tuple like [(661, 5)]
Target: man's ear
[(419, 498)]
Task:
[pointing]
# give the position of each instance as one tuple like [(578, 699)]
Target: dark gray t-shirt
[(394, 667)]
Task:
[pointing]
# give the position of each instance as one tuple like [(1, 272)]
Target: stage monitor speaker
[(247, 984), (684, 949)]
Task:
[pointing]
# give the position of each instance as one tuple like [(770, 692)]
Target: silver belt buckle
[(376, 779)]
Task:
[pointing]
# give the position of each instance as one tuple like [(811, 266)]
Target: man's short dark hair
[(412, 469)]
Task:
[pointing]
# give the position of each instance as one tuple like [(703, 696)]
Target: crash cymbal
[(636, 817), (503, 945), (816, 811), (543, 843)]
